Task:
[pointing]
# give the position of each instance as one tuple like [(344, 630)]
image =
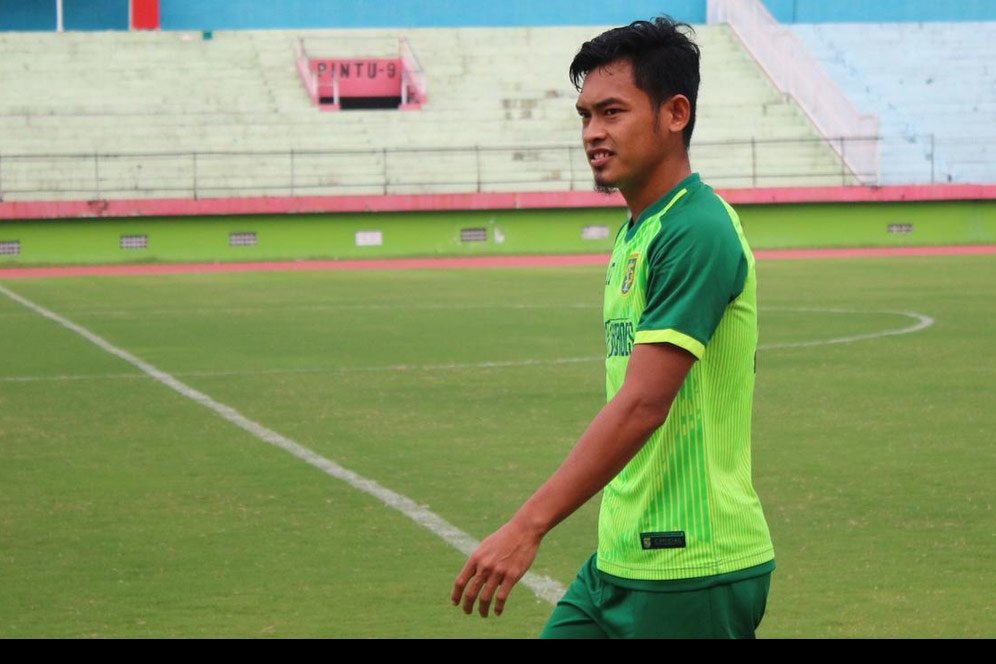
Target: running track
[(461, 262)]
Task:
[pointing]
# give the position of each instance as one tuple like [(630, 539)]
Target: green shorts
[(596, 606)]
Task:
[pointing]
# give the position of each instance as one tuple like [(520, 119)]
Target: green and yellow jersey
[(684, 507)]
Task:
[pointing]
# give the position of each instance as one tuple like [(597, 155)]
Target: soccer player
[(683, 546)]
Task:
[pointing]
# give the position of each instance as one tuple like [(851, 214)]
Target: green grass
[(128, 510)]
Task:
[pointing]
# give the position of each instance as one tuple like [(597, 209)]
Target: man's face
[(619, 129)]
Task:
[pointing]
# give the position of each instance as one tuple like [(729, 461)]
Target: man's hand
[(496, 565), (655, 373)]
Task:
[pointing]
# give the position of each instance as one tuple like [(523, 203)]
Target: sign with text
[(358, 77)]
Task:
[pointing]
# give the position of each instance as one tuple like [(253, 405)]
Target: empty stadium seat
[(499, 117), (933, 86)]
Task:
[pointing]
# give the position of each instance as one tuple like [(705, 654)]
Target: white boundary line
[(422, 306), (923, 322), (542, 586), (498, 364)]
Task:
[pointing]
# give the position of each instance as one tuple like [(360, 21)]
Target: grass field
[(129, 510)]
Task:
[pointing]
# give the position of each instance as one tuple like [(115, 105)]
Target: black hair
[(665, 60)]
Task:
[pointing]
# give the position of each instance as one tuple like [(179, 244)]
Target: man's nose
[(592, 132)]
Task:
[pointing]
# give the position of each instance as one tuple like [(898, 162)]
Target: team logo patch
[(669, 540), (630, 276)]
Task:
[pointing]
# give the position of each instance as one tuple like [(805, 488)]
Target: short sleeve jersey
[(685, 506)]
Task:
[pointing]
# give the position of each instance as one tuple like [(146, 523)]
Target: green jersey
[(684, 506)]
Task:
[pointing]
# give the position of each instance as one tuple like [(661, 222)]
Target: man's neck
[(638, 201)]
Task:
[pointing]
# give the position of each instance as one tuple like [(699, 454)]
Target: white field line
[(922, 322), (269, 309), (449, 366), (542, 586)]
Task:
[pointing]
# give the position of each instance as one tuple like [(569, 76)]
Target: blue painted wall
[(40, 15), (94, 14), (25, 15), (880, 11), (235, 14), (289, 14)]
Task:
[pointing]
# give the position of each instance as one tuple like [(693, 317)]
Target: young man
[(683, 547)]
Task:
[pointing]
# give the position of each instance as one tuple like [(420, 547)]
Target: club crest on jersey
[(630, 276)]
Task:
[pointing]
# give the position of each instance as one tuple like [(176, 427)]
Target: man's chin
[(604, 187)]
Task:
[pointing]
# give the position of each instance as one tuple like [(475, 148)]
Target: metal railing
[(792, 67), (195, 175), (414, 80)]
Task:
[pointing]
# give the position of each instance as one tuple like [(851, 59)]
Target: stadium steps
[(922, 79), (168, 92)]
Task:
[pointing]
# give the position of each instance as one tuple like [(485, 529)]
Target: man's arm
[(654, 375)]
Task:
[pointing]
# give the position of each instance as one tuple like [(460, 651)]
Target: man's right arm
[(654, 376)]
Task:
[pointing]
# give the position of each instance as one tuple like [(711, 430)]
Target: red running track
[(461, 262)]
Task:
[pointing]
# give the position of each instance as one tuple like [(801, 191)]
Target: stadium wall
[(41, 15), (25, 15), (251, 14), (504, 232), (880, 11)]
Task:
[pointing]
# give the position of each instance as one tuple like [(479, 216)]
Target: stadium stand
[(933, 86), (173, 114)]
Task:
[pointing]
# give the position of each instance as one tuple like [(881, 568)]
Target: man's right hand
[(494, 568)]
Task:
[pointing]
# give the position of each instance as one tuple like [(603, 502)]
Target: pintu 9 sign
[(359, 77), (357, 69)]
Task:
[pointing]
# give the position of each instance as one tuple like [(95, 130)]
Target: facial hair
[(603, 187)]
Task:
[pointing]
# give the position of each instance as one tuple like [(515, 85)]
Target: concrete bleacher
[(500, 116), (933, 86)]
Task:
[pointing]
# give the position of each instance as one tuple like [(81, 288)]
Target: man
[(683, 547)]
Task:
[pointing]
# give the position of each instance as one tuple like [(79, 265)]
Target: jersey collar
[(664, 202)]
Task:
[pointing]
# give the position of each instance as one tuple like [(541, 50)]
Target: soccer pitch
[(128, 509)]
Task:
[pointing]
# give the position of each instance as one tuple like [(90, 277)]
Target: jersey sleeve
[(695, 268)]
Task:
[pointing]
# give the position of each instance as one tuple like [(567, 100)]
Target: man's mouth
[(598, 158)]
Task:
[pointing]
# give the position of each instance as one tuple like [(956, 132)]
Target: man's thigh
[(592, 608)]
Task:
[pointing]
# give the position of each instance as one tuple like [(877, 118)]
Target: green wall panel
[(289, 237)]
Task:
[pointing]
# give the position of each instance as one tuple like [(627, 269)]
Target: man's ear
[(675, 114)]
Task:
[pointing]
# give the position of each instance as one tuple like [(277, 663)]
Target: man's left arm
[(654, 376)]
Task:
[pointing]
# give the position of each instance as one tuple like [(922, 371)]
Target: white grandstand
[(170, 114)]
